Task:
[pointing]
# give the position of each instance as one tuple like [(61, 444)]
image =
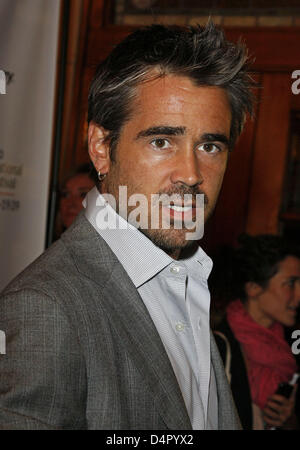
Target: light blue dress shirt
[(178, 300)]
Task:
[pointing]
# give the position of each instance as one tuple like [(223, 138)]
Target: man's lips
[(182, 199), (179, 212), (180, 207)]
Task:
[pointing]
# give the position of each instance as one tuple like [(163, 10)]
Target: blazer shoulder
[(45, 270), (79, 253), (71, 273)]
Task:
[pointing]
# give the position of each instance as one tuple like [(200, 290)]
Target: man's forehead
[(175, 93), (174, 96)]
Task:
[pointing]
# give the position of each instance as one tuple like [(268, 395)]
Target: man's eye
[(160, 143), (210, 148)]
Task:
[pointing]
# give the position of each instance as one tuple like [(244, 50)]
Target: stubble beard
[(170, 240)]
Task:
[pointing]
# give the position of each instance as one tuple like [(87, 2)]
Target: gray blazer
[(82, 351)]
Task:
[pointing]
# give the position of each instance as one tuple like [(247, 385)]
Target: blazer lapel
[(142, 341), (130, 319)]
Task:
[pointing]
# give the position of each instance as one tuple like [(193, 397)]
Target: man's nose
[(187, 168)]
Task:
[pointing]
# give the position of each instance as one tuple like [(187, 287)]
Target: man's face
[(176, 142)]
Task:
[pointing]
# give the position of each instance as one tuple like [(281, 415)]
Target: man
[(109, 328)]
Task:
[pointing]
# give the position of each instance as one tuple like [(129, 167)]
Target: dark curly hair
[(255, 259)]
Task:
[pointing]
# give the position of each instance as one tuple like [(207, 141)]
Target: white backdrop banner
[(28, 51)]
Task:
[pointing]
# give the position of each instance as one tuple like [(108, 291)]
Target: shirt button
[(179, 326), (175, 269)]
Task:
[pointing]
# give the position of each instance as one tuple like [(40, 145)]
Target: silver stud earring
[(101, 177)]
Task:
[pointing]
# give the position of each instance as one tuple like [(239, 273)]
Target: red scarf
[(270, 360)]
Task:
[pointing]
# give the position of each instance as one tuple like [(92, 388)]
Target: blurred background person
[(74, 189), (261, 281)]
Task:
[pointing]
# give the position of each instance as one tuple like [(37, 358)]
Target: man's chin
[(169, 240)]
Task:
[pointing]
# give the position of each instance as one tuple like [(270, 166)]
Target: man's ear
[(99, 147), (253, 289)]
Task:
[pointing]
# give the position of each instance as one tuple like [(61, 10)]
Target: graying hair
[(199, 53)]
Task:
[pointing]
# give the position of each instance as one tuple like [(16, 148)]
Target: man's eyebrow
[(179, 131), (213, 137), (161, 130)]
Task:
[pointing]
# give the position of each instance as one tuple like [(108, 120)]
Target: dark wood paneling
[(78, 30), (275, 49), (102, 41), (100, 10), (271, 145), (81, 155)]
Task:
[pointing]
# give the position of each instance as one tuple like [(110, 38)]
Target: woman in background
[(263, 280), (73, 191)]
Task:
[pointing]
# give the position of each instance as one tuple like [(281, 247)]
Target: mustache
[(185, 190)]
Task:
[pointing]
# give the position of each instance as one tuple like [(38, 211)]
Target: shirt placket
[(182, 324), (199, 312)]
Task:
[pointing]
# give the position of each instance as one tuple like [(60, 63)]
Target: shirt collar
[(140, 257)]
